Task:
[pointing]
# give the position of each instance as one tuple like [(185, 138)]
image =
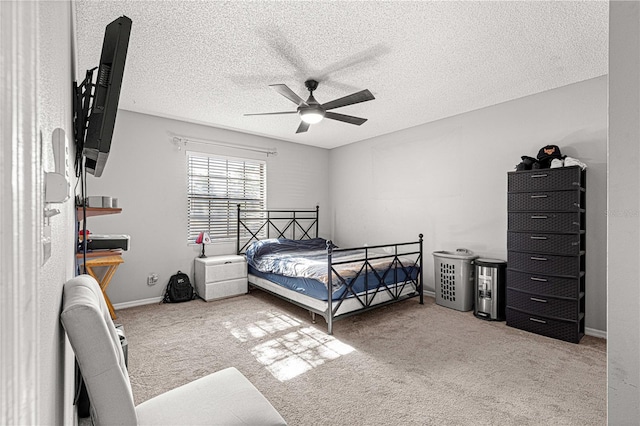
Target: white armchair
[(222, 398)]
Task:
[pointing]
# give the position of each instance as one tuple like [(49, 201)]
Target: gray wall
[(623, 345), (147, 173), (447, 179)]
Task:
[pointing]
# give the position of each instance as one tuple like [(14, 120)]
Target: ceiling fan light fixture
[(311, 115), (312, 112)]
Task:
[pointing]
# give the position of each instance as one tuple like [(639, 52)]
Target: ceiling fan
[(311, 111)]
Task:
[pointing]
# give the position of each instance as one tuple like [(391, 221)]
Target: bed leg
[(313, 317)]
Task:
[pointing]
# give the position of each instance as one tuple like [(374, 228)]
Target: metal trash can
[(490, 293), (454, 278), (123, 342)]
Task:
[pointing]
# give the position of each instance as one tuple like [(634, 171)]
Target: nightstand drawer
[(222, 289), (225, 271)]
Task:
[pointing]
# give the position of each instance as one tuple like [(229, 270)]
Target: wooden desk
[(112, 263)]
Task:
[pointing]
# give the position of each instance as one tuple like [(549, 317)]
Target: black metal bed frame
[(285, 223), (270, 223)]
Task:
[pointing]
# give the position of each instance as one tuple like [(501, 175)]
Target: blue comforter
[(308, 259)]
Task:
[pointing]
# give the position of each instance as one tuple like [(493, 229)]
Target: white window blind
[(216, 185)]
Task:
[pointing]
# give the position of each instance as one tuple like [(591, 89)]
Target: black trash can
[(490, 289), (123, 343)]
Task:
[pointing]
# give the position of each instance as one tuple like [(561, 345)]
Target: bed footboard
[(402, 267)]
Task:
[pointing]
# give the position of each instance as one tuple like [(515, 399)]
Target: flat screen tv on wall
[(102, 118)]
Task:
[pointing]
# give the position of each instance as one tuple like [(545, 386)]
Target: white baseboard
[(595, 333), (133, 303)]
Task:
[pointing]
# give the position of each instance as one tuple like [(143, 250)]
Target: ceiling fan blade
[(354, 98), (284, 90), (273, 113), (303, 127), (345, 118)]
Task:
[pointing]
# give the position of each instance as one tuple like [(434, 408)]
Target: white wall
[(448, 179), (623, 345), (55, 111), (37, 74), (147, 173)]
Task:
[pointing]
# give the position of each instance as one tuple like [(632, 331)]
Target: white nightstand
[(220, 276)]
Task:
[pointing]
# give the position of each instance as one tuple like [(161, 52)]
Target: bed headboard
[(256, 225)]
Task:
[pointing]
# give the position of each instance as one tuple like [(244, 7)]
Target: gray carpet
[(404, 364)]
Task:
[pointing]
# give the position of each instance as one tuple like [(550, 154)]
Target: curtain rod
[(183, 141)]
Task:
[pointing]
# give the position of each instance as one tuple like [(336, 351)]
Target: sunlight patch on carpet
[(297, 352), (294, 348), (273, 323)]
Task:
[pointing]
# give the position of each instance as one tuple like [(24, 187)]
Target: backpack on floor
[(179, 289)]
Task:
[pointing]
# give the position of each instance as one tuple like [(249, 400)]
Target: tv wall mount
[(83, 97)]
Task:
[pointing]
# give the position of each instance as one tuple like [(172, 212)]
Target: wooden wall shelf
[(97, 211)]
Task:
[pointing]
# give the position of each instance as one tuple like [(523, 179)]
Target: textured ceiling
[(212, 61)]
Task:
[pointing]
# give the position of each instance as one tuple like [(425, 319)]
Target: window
[(216, 185)]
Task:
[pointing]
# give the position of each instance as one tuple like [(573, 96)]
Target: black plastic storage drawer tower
[(546, 252)]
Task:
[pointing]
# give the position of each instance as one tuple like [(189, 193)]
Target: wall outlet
[(152, 279)]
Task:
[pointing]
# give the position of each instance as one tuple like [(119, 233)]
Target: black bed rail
[(395, 288), (291, 224)]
